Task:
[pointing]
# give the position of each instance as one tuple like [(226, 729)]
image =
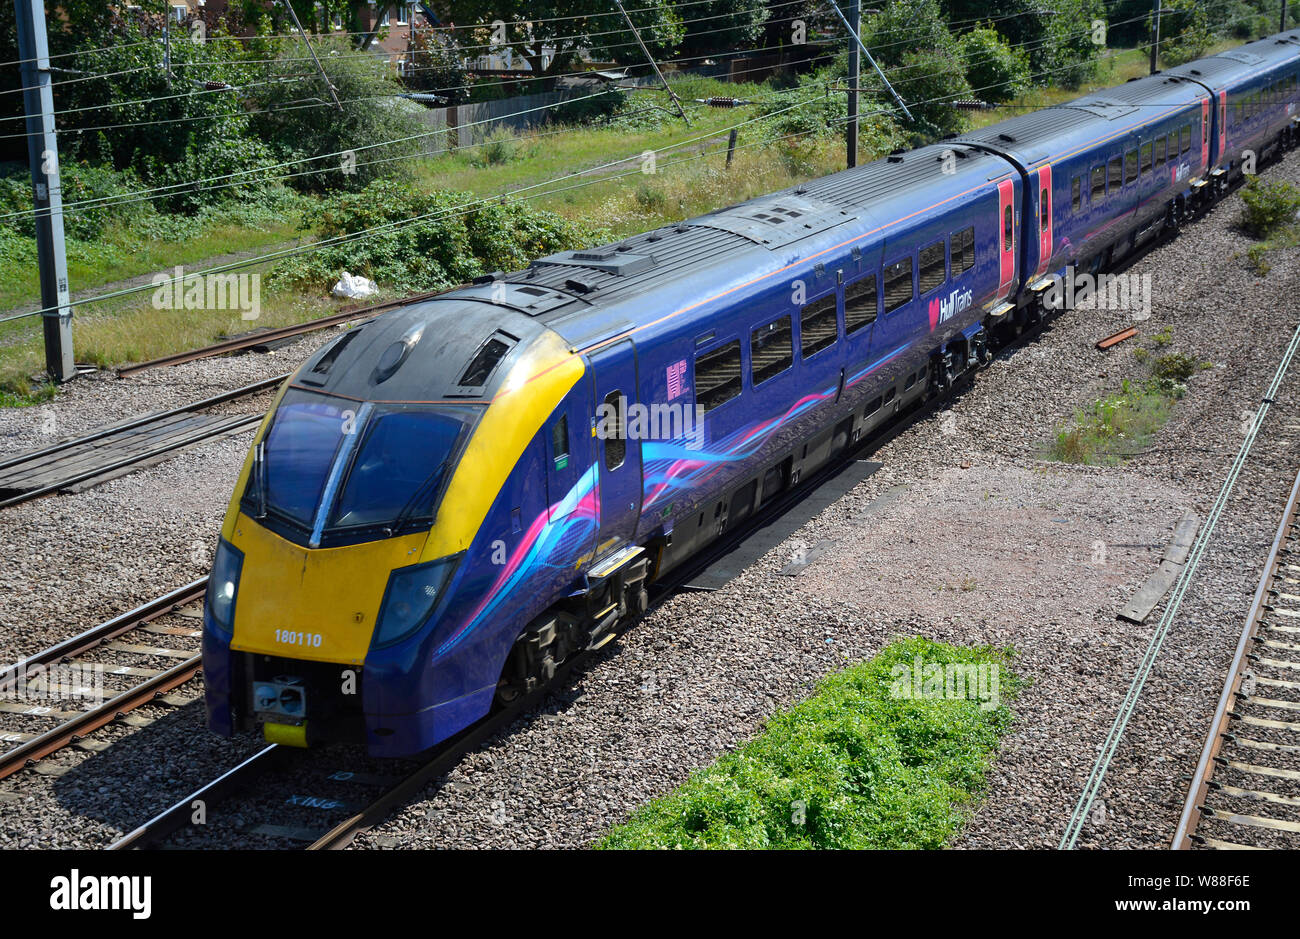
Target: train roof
[(570, 292), (1224, 68), (1040, 135)]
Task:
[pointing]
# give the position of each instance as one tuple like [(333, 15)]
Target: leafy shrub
[(934, 81), (996, 71), (855, 766), (453, 242), (1269, 206), (78, 183), (1184, 31), (372, 112), (1174, 367)]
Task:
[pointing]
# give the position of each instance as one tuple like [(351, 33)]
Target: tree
[(996, 70), (723, 26), (298, 119), (433, 64), (569, 28), (1184, 31)]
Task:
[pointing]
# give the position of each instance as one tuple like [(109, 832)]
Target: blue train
[(448, 501)]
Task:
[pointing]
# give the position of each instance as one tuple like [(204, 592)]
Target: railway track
[(135, 659), (108, 452), (1245, 792)]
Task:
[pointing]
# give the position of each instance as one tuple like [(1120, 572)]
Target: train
[(446, 503)]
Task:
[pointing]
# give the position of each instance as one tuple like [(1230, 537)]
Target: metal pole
[(1282, 28), (1155, 36), (867, 52), (731, 146), (47, 197), (307, 42), (855, 82), (653, 64)]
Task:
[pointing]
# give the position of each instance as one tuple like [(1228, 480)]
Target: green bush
[(858, 765), (372, 112), (78, 183), (455, 243), (1269, 206), (1174, 367), (995, 70), (1184, 31)]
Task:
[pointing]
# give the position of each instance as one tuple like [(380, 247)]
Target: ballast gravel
[(966, 534)]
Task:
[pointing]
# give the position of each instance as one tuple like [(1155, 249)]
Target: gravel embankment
[(986, 544)]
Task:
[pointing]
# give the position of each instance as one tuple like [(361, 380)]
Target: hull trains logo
[(943, 309)]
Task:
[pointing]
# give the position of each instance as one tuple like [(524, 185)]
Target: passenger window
[(1187, 138), (560, 442), (1008, 229), (1130, 166), (1160, 152), (1076, 195), (771, 350), (1146, 157), (1098, 183), (1116, 179), (860, 304), (933, 266), (818, 326), (717, 376), (963, 250), (616, 441), (1044, 209), (898, 284)]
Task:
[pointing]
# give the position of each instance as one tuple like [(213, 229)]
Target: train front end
[(361, 537)]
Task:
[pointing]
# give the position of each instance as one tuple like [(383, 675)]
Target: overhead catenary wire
[(369, 232), (162, 191), (1092, 786), (365, 233)]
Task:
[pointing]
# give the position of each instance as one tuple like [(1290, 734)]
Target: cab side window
[(560, 442)]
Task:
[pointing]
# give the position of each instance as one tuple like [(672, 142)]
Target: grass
[(1120, 425), (122, 253), (857, 765)]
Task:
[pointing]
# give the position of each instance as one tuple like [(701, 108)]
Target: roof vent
[(485, 361), (489, 278), (578, 285), (1006, 137)]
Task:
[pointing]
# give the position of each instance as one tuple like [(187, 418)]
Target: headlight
[(411, 596), (223, 585)]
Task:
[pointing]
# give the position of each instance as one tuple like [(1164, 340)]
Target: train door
[(617, 453), (1044, 220), (1006, 238), (1222, 158), (1205, 135)]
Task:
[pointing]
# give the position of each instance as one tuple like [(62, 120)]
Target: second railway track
[(135, 659), (1245, 792)]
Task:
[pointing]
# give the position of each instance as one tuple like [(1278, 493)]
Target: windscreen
[(333, 469)]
